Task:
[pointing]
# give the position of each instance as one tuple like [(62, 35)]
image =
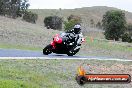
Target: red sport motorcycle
[(63, 43)]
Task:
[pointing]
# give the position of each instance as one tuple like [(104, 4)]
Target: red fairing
[(57, 39), (53, 44)]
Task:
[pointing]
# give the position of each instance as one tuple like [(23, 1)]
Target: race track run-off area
[(27, 54)]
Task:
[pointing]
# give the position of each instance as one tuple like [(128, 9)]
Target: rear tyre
[(47, 50), (72, 52)]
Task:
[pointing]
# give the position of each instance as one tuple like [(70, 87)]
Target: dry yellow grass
[(16, 31), (96, 13)]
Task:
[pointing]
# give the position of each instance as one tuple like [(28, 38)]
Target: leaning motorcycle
[(63, 43)]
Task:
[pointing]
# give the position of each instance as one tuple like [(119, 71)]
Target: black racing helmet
[(77, 28)]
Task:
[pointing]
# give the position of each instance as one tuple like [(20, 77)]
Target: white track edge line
[(49, 58)]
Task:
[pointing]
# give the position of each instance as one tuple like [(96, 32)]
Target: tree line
[(115, 26), (113, 22), (17, 8)]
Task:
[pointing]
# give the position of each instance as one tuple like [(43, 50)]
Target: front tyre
[(47, 50)]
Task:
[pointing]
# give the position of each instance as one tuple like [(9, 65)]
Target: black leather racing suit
[(77, 37)]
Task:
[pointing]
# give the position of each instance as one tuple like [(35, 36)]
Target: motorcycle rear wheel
[(72, 52), (47, 50)]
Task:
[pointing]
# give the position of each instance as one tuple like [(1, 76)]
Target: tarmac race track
[(19, 54)]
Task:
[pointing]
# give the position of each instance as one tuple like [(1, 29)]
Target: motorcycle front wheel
[(47, 50)]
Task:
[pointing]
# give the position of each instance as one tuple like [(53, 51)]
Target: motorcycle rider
[(76, 31), (72, 40)]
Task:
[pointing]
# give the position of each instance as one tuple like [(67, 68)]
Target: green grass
[(22, 74), (52, 73), (22, 47), (16, 84), (100, 44)]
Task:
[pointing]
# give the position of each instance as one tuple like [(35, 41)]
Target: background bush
[(99, 25), (126, 38), (72, 20), (114, 24), (13, 8), (129, 29), (30, 17), (74, 17), (53, 22), (69, 24)]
